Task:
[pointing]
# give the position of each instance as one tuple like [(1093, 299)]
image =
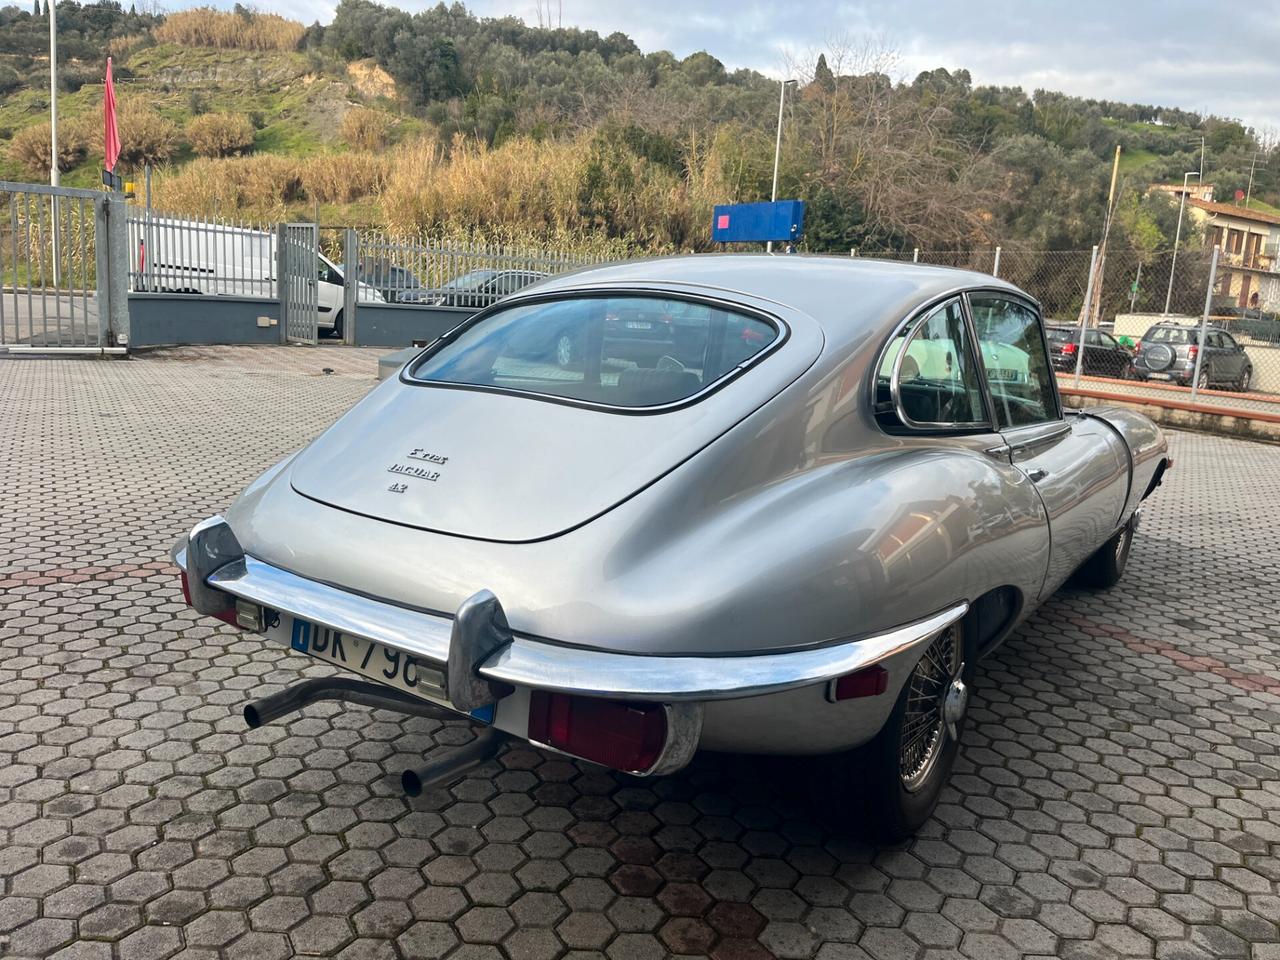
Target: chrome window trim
[(924, 426), (539, 664), (1034, 307), (408, 371)]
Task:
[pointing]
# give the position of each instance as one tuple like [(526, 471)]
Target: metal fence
[(1220, 322), (48, 266), (213, 257), (441, 274)]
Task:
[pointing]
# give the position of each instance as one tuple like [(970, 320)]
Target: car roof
[(847, 296)]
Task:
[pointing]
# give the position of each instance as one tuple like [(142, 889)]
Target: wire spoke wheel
[(935, 700)]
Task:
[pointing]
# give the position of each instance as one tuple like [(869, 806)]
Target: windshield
[(471, 281), (1061, 334), (1168, 335), (622, 351)]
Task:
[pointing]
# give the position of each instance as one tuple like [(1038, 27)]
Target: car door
[(1233, 359), (1112, 358), (1079, 465)]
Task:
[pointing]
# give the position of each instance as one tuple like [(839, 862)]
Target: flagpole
[(53, 126)]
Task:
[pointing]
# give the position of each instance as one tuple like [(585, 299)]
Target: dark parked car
[(396, 284), (480, 288), (1104, 355), (1168, 351)]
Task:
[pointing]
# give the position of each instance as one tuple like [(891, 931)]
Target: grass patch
[(1131, 160)]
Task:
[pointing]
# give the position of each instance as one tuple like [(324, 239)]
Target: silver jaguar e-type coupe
[(736, 503)]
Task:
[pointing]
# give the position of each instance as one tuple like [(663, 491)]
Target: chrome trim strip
[(630, 677), (574, 670)]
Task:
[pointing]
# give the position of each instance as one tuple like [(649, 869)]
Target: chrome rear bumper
[(539, 665), (485, 660)]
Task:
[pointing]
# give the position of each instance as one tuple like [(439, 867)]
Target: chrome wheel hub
[(936, 701), (954, 706)]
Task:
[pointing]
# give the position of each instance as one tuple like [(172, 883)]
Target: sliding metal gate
[(299, 282), (63, 269)]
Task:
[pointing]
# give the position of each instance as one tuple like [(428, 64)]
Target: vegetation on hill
[(440, 120)]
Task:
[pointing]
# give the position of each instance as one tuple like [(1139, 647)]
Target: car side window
[(1107, 340), (1228, 342), (1092, 338), (1014, 358), (937, 382)]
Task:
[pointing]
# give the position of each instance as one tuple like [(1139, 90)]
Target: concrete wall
[(164, 319), (1203, 420), (399, 325)]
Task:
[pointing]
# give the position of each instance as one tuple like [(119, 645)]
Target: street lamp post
[(777, 150), (1177, 237)]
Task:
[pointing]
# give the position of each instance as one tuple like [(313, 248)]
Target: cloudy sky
[(1219, 58)]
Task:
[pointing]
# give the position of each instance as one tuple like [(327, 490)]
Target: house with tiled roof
[(1249, 241)]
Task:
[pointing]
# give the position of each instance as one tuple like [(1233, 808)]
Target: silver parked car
[(795, 534), (1168, 352)]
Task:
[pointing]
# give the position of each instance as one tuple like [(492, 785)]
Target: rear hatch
[(510, 467)]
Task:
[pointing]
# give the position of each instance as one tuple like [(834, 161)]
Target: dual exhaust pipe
[(441, 772)]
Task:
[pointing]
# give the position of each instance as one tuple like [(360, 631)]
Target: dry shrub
[(220, 134), (365, 129), (31, 147), (343, 177), (241, 30), (262, 185), (145, 136), (587, 185)]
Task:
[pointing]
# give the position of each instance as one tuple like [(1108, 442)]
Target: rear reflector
[(624, 736), (870, 682)]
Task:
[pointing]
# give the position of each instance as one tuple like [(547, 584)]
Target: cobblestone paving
[(1117, 792)]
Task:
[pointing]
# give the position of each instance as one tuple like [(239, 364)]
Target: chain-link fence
[(1154, 326)]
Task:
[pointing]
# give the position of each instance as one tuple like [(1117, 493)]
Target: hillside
[(442, 121)]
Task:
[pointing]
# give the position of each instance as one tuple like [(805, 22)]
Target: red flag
[(111, 134)]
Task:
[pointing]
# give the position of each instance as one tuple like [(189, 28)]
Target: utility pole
[(1177, 237), (1089, 312), (777, 150), (1249, 193), (1201, 181)]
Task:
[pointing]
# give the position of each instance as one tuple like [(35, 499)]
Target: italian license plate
[(638, 325), (1160, 376), (373, 660)]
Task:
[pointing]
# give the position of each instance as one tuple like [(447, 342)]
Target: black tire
[(892, 804), (336, 332), (1203, 381), (1104, 569), (566, 349), (1245, 379)]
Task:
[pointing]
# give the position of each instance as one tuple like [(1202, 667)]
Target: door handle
[(1036, 475)]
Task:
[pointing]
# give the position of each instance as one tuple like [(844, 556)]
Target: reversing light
[(240, 613), (868, 682), (622, 735)]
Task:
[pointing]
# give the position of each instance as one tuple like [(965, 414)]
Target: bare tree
[(868, 136)]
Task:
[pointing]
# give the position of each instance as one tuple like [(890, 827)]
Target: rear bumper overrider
[(484, 661)]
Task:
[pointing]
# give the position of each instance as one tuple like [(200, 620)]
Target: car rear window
[(626, 351), (1167, 335), (1059, 335)]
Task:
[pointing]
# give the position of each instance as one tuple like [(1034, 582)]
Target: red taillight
[(624, 736), (1136, 347), (226, 616), (1069, 349), (870, 682), (1191, 352)]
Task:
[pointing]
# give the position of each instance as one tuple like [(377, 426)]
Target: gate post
[(111, 255), (282, 283), (350, 282)]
